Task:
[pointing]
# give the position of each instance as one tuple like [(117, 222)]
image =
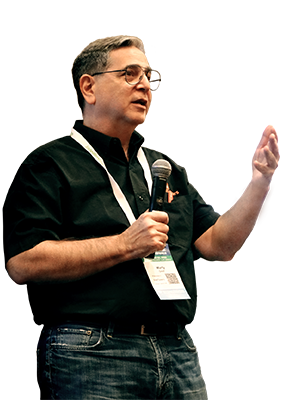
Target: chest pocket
[(180, 213)]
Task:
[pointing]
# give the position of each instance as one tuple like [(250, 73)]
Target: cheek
[(115, 102), (150, 100), (122, 98)]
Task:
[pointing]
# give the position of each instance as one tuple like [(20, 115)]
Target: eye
[(132, 71), (148, 74)]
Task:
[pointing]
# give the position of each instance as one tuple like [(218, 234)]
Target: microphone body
[(158, 194), (161, 170)]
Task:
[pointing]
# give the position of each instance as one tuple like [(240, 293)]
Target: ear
[(87, 84)]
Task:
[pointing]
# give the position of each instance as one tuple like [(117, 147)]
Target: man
[(78, 232)]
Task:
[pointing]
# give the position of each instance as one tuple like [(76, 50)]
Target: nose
[(144, 83)]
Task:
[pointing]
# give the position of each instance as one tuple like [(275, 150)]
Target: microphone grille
[(161, 169)]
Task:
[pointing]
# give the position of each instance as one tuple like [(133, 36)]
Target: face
[(116, 102)]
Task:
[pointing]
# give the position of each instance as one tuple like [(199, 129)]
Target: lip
[(140, 105), (141, 102)]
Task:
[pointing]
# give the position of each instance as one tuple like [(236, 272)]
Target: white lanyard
[(115, 187)]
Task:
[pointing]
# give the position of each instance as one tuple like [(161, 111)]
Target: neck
[(123, 133)]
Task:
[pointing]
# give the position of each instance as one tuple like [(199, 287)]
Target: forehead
[(124, 56)]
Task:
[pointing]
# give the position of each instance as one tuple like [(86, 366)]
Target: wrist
[(260, 186), (125, 247)]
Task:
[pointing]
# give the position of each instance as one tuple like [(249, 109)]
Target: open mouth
[(142, 102)]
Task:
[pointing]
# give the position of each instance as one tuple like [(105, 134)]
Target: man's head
[(95, 58)]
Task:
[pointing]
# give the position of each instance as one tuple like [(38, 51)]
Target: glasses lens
[(134, 74), (154, 79)]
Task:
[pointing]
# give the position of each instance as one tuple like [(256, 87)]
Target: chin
[(139, 121)]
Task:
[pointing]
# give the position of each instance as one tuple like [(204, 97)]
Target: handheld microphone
[(161, 170)]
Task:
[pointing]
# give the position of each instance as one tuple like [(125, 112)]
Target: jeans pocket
[(188, 341), (76, 338)]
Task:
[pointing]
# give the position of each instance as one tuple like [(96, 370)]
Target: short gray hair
[(95, 58)]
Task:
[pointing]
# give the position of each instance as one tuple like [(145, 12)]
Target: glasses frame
[(144, 70)]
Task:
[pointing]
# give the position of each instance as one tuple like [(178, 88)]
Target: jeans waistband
[(147, 329), (130, 328)]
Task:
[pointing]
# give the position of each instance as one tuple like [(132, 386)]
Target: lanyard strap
[(119, 195)]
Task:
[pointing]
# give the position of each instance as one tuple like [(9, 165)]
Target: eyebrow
[(148, 68)]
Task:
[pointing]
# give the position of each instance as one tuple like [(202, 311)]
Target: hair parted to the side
[(95, 58)]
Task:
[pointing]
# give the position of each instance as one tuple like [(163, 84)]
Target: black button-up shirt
[(61, 192)]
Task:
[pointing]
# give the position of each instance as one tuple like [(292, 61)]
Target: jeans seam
[(80, 348), (189, 348)]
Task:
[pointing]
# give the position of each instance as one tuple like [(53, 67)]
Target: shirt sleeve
[(204, 215), (32, 209)]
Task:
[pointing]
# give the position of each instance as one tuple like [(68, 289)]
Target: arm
[(72, 260), (266, 204), (229, 233)]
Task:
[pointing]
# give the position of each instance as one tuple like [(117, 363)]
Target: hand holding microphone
[(149, 233), (161, 170)]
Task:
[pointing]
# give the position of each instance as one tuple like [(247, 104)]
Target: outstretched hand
[(266, 157)]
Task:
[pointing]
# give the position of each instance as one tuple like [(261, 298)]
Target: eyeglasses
[(135, 73)]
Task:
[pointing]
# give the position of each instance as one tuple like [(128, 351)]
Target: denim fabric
[(87, 363)]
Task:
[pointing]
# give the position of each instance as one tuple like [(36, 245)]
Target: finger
[(269, 140), (273, 132), (266, 136), (159, 216), (157, 241), (266, 157), (273, 146), (269, 165), (262, 168), (270, 130), (264, 139), (162, 228), (270, 158)]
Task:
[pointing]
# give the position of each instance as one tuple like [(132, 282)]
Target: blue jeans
[(87, 362)]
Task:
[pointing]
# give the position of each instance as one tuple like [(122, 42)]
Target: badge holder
[(165, 277)]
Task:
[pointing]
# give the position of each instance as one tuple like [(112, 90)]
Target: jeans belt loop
[(180, 329), (144, 333), (110, 329)]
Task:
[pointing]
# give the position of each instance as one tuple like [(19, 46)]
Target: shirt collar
[(107, 146)]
